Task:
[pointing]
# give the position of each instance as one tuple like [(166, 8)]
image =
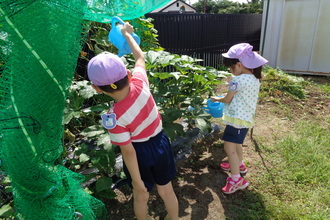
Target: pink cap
[(106, 68), (243, 52)]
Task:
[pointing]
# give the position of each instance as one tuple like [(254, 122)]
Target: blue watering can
[(116, 37), (214, 108)]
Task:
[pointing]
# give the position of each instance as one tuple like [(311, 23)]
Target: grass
[(299, 184), (296, 184)]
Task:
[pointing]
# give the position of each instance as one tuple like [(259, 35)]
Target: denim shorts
[(234, 135), (156, 161)]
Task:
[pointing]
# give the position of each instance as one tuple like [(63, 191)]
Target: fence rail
[(206, 36)]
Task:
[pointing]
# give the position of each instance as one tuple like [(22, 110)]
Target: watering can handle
[(116, 18)]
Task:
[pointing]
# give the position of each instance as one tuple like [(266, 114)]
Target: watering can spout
[(118, 40)]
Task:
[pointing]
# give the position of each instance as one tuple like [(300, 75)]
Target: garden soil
[(199, 179)]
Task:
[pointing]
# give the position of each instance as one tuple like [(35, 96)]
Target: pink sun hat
[(243, 52), (105, 69)]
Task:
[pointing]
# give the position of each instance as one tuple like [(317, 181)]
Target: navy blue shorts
[(156, 161), (234, 135)]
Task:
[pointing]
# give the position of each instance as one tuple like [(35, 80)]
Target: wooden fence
[(206, 36)]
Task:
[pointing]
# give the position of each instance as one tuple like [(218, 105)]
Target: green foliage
[(98, 40), (145, 29), (187, 84), (87, 143), (7, 212), (326, 88), (99, 160), (277, 83), (83, 104), (229, 7), (6, 202), (4, 49)]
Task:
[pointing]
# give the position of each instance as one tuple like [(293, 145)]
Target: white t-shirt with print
[(244, 103)]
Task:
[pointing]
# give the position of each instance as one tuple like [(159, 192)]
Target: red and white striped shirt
[(137, 115)]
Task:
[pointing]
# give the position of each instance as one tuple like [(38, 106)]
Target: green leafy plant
[(177, 83), (88, 147), (145, 29), (6, 202), (5, 49)]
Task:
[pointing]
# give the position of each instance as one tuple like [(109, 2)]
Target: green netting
[(103, 11), (39, 45)]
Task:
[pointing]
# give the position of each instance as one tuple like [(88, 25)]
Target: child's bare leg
[(141, 204), (239, 151), (233, 158), (167, 193)]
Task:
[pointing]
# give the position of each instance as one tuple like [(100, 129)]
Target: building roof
[(169, 7)]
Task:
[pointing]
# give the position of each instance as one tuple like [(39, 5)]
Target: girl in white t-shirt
[(239, 111)]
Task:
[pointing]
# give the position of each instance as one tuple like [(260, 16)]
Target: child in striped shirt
[(135, 125)]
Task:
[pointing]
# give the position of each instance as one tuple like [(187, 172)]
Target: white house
[(295, 35), (175, 6)]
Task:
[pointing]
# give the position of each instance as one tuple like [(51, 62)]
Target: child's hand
[(218, 98), (139, 186), (127, 29), (215, 99)]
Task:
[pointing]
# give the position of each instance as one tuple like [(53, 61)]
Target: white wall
[(294, 35)]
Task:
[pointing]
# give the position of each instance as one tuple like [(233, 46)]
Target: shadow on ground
[(198, 187)]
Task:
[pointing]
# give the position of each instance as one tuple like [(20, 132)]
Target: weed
[(277, 83)]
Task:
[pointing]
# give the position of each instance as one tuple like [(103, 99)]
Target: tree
[(228, 7)]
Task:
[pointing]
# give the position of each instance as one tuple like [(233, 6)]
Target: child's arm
[(227, 99), (127, 30), (129, 156)]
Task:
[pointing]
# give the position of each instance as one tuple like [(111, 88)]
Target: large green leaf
[(86, 90), (165, 60), (104, 139), (151, 57), (102, 37), (103, 183), (6, 211), (202, 124), (92, 131), (174, 130), (83, 158), (69, 114), (99, 108)]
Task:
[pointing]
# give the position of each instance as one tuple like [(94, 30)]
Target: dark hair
[(116, 86), (257, 72), (231, 62)]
